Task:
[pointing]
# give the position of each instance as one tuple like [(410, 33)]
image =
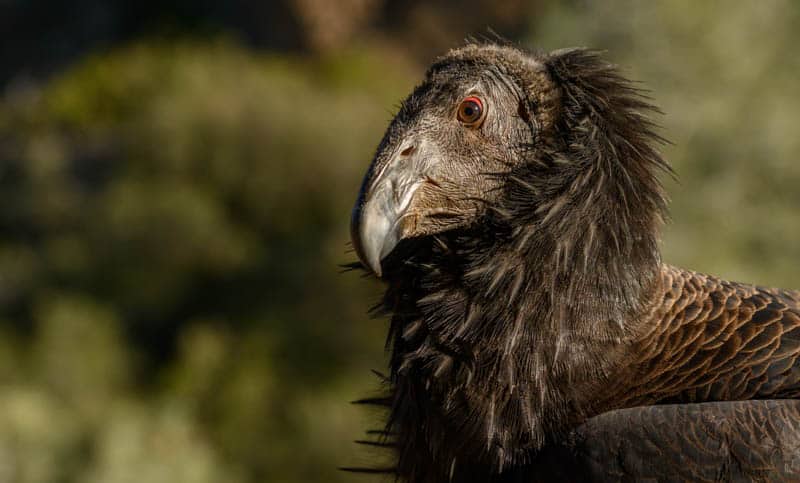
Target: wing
[(725, 441), (714, 340)]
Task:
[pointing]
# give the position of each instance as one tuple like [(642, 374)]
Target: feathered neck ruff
[(502, 331)]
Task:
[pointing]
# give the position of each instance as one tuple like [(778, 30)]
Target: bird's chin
[(413, 254), (406, 256)]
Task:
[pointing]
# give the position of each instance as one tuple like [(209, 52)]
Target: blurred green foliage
[(174, 219), (173, 214)]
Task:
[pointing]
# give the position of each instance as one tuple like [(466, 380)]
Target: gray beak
[(376, 225)]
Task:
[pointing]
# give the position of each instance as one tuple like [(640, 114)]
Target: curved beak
[(379, 215)]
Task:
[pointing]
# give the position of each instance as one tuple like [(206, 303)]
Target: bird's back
[(710, 442)]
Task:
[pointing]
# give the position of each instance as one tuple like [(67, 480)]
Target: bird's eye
[(471, 111)]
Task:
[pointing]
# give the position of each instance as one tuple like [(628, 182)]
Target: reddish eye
[(471, 111)]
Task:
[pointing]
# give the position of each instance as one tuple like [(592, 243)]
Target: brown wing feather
[(714, 340)]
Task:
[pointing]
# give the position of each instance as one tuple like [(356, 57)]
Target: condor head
[(557, 146), (442, 160)]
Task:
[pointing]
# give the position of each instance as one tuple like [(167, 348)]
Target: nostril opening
[(407, 151)]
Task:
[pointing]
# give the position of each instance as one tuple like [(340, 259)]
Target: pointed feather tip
[(378, 444), (373, 471), (350, 267), (373, 401)]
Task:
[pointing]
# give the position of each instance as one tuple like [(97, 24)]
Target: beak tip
[(378, 239), (369, 236)]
